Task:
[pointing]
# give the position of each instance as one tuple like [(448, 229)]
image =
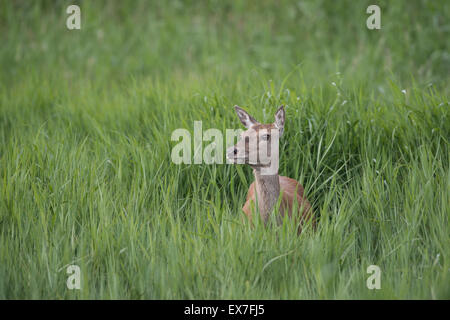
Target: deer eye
[(265, 137)]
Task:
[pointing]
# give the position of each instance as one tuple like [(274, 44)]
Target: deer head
[(258, 145)]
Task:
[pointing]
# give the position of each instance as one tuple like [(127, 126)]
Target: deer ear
[(280, 115), (247, 120)]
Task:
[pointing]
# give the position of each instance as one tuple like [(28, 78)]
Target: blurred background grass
[(86, 177), (168, 39)]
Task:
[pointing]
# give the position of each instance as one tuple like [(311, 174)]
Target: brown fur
[(290, 189), (265, 191)]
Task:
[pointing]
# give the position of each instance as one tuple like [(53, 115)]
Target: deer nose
[(231, 152)]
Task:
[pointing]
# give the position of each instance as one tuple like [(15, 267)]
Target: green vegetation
[(86, 176)]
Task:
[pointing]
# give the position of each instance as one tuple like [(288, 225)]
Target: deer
[(258, 147)]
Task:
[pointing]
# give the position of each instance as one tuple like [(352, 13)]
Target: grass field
[(86, 176)]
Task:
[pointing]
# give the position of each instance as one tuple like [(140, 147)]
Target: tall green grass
[(86, 176)]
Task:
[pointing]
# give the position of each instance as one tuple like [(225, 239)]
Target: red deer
[(266, 189)]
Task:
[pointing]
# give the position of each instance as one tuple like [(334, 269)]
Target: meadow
[(86, 176)]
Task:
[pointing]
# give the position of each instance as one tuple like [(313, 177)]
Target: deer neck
[(267, 192)]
